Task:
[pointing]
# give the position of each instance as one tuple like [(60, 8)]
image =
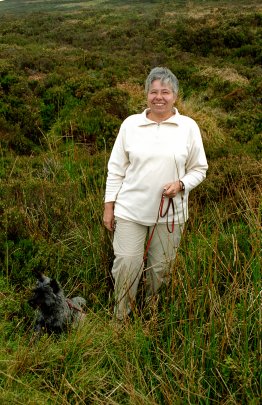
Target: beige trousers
[(129, 243)]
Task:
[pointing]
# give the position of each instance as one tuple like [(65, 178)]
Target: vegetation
[(70, 72)]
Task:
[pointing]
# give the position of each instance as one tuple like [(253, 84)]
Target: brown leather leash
[(162, 214)]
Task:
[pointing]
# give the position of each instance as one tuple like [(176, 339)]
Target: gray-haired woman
[(157, 159)]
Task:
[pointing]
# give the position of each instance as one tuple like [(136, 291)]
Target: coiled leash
[(162, 214), (170, 229)]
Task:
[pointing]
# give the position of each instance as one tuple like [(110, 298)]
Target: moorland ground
[(70, 72)]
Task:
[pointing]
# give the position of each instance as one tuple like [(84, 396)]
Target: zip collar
[(146, 121)]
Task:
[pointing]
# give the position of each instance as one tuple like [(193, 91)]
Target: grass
[(202, 343)]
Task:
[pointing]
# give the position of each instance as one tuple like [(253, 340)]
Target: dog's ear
[(55, 286), (39, 275)]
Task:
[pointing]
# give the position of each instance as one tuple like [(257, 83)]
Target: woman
[(157, 155)]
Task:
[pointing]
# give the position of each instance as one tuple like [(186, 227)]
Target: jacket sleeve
[(196, 164), (117, 165)]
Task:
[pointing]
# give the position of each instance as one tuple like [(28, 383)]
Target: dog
[(56, 313)]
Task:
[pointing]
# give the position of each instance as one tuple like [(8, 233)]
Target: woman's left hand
[(171, 189)]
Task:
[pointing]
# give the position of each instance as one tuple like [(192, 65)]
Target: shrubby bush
[(113, 101), (48, 84), (84, 85), (92, 127), (204, 36), (244, 127)]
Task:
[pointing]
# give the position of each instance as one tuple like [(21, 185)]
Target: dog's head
[(45, 293)]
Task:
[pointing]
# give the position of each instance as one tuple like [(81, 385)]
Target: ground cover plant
[(70, 72)]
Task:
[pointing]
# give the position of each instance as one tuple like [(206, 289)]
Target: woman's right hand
[(109, 218)]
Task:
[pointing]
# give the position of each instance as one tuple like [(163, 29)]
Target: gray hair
[(165, 76)]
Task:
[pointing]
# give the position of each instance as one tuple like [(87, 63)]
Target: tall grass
[(200, 345)]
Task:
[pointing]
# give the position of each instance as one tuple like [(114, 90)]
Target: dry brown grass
[(224, 74)]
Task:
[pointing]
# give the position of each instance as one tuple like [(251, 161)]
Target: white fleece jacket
[(145, 157)]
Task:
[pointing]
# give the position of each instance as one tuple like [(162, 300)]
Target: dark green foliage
[(83, 59), (113, 101), (70, 72), (205, 36)]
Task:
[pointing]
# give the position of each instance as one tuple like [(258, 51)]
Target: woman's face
[(161, 99)]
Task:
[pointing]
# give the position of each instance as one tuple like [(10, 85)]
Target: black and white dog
[(56, 313)]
